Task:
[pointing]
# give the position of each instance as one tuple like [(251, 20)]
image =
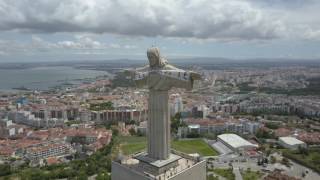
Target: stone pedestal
[(158, 125)]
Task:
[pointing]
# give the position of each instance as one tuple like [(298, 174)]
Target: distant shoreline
[(46, 77), (206, 63)]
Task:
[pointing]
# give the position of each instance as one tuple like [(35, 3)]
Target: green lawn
[(132, 148), (133, 144), (212, 177), (251, 175), (132, 139), (194, 146), (227, 173)]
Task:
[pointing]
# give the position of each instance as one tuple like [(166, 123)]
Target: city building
[(291, 142), (226, 108), (235, 142), (194, 128), (39, 120), (9, 129), (43, 151), (142, 128), (177, 105), (221, 125), (124, 115), (309, 137), (6, 129), (201, 111)]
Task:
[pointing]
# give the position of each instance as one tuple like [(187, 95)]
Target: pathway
[(237, 173)]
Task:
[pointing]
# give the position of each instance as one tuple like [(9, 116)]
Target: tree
[(115, 131), (193, 134), (103, 176), (139, 133), (132, 122), (5, 169), (210, 136), (32, 173), (303, 150), (259, 163), (316, 159), (285, 161), (272, 125), (212, 177), (102, 106), (92, 167), (175, 123), (132, 132), (82, 175), (264, 134)]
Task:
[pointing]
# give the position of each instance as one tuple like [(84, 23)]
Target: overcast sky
[(41, 30)]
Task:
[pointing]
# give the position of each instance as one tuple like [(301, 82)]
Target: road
[(237, 173)]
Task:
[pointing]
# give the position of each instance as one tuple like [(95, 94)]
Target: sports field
[(133, 144)]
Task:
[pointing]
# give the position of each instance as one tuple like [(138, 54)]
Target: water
[(42, 78)]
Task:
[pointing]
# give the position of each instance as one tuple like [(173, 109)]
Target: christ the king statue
[(159, 77)]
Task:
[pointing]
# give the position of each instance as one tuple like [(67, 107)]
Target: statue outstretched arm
[(195, 76), (134, 71)]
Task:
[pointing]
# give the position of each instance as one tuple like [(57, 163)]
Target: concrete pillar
[(158, 125)]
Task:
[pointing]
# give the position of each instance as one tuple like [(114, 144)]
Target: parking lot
[(243, 163)]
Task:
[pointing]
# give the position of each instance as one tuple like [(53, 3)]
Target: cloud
[(201, 19), (312, 34), (300, 18), (78, 45), (82, 42)]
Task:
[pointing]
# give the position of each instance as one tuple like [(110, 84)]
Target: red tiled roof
[(52, 160), (309, 137), (281, 132)]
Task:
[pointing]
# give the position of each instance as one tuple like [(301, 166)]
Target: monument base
[(178, 166), (157, 167)]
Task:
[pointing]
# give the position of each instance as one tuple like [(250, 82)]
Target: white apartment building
[(48, 150)]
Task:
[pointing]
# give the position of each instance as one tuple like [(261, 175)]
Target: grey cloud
[(202, 19), (36, 45), (312, 34), (286, 4)]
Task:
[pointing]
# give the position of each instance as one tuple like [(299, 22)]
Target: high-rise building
[(177, 105)]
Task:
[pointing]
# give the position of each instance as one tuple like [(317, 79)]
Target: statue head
[(155, 60)]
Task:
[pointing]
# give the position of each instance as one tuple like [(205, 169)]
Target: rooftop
[(235, 141), (160, 169), (291, 140)]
